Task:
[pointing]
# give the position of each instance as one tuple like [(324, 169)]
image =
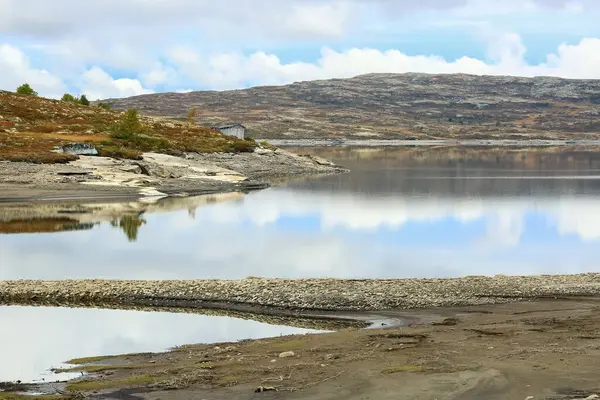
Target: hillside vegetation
[(397, 106), (32, 127)]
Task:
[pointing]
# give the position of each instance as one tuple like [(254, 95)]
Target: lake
[(400, 213), (422, 212)]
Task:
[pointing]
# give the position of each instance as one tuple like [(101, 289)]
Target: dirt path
[(548, 349)]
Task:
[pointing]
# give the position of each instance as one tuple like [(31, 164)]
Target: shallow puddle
[(35, 339)]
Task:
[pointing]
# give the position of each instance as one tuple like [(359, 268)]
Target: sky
[(120, 48)]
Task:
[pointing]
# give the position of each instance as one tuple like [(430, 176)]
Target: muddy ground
[(544, 349)]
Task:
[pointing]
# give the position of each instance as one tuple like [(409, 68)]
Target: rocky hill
[(399, 106)]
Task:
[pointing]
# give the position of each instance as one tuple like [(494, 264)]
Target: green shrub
[(26, 89), (192, 115), (129, 125), (105, 106), (83, 100), (69, 98), (243, 146), (115, 151)]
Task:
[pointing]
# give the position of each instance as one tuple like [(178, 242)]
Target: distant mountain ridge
[(399, 106)]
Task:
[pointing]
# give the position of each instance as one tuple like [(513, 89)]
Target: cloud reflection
[(38, 339), (295, 233)]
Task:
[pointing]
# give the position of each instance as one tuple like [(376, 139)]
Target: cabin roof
[(225, 126)]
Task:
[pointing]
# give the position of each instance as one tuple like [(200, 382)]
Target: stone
[(134, 169), (287, 354), (80, 149), (321, 161), (263, 152), (73, 173), (592, 397)]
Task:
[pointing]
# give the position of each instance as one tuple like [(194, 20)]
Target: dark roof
[(227, 126)]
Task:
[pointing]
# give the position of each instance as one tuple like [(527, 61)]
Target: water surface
[(400, 213), (423, 212), (405, 212), (34, 340)]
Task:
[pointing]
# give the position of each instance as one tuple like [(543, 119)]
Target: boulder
[(80, 149)]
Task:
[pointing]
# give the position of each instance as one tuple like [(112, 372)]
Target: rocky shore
[(303, 294), (156, 175)]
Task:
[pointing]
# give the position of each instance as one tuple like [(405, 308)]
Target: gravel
[(305, 294)]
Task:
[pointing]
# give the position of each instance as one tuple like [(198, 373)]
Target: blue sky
[(116, 48)]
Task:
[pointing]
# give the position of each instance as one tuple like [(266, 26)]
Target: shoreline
[(493, 351), (296, 295), (156, 176), (350, 142)]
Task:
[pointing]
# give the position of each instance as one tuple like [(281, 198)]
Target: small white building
[(235, 130)]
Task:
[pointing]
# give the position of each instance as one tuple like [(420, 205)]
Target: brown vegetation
[(32, 127), (396, 106)]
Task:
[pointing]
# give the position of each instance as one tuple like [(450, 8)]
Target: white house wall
[(237, 132)]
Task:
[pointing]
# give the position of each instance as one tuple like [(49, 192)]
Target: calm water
[(33, 340), (400, 213), (421, 212)]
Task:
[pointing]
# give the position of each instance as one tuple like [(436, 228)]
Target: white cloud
[(15, 69), (506, 54), (97, 84)]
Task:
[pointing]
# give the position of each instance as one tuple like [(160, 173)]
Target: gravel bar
[(304, 294)]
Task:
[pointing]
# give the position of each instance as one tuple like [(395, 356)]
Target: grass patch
[(402, 368), (90, 360), (119, 152), (98, 368), (268, 145), (90, 385), (14, 396)]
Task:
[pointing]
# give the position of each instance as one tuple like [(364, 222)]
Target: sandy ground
[(544, 349)]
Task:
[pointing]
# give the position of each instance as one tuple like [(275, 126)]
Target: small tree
[(128, 126), (83, 100), (105, 106), (26, 89), (69, 98), (191, 116)]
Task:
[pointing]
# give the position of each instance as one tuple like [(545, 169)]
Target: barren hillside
[(398, 106)]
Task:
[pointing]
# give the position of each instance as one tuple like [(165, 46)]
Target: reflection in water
[(44, 338), (400, 213), (130, 224), (39, 225)]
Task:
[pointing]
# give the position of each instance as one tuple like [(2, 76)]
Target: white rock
[(286, 354), (592, 397), (263, 152)]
